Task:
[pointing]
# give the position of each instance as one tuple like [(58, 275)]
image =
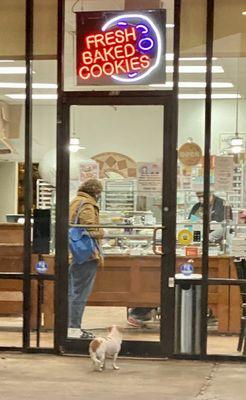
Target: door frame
[(165, 347)]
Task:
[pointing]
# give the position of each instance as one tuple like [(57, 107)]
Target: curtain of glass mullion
[(44, 109), (228, 228), (191, 126), (12, 115)]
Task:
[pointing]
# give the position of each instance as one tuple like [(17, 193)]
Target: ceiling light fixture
[(170, 57), (193, 85), (44, 85), (15, 85), (237, 142), (12, 85), (196, 58), (244, 13), (74, 144), (196, 96), (22, 96), (195, 69), (12, 70)]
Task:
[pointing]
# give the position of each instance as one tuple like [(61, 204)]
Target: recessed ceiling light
[(44, 85), (15, 85), (196, 58), (195, 69), (244, 13), (191, 96), (12, 85), (170, 57), (226, 96), (12, 70), (194, 84), (22, 96)]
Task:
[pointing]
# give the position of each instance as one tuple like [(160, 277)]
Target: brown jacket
[(88, 215)]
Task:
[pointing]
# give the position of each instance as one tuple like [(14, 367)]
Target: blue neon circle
[(146, 40)]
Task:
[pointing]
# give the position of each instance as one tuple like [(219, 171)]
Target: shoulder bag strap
[(78, 211)]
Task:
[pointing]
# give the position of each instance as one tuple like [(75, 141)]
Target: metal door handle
[(158, 253)]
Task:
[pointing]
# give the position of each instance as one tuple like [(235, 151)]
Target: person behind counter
[(81, 277), (217, 208), (218, 213)]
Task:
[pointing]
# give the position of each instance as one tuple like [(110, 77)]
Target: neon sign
[(128, 48)]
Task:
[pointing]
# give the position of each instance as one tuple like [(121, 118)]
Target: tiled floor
[(98, 319)]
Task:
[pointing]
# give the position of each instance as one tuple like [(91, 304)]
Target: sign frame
[(102, 61)]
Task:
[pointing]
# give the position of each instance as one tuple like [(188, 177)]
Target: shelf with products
[(119, 194)]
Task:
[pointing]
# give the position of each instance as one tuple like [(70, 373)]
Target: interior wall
[(44, 130), (123, 129), (9, 186), (137, 134), (192, 117)]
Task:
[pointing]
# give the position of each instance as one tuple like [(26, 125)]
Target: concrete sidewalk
[(46, 377)]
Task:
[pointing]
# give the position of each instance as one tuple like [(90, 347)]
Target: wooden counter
[(135, 281), (11, 233), (124, 281)]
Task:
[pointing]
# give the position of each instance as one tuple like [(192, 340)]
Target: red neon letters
[(111, 53)]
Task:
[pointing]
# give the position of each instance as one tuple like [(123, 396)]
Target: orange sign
[(191, 251), (190, 153)]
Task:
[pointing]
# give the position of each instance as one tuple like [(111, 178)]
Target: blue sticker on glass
[(41, 267), (186, 268)]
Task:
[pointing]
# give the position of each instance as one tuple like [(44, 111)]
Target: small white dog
[(109, 347)]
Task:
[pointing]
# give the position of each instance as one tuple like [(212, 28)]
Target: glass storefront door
[(126, 144)]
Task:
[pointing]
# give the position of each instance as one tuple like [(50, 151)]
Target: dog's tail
[(95, 360)]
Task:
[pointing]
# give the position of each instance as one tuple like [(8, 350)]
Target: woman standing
[(81, 277)]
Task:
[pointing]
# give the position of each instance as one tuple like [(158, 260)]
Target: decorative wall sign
[(190, 153), (149, 177), (116, 163), (88, 170), (121, 47)]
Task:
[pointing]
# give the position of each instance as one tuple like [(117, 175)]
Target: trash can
[(187, 315)]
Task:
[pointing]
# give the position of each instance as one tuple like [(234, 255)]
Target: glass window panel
[(228, 133), (11, 317), (226, 316), (127, 288)]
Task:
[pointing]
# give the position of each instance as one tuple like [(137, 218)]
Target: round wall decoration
[(190, 153)]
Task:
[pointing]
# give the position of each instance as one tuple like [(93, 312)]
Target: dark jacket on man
[(217, 210)]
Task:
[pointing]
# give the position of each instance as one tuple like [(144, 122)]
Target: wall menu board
[(121, 48)]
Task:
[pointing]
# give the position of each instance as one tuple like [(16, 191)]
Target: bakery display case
[(129, 233), (221, 234)]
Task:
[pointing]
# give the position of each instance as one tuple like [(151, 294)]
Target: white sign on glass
[(224, 173)]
